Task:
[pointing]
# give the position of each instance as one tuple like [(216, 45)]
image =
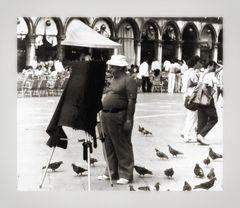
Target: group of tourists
[(120, 98)]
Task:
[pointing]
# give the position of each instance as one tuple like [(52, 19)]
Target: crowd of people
[(120, 99), (49, 72)]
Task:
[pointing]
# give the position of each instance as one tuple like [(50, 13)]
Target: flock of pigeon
[(198, 171), (77, 169)]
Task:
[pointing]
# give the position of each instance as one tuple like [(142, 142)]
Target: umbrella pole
[(49, 160)]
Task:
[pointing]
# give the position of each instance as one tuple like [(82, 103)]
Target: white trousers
[(190, 123), (171, 82)]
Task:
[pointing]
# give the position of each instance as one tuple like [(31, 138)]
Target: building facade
[(39, 38)]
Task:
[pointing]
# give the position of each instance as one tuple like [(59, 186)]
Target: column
[(31, 50), (197, 49), (138, 53), (60, 48), (179, 50), (159, 52), (215, 52)]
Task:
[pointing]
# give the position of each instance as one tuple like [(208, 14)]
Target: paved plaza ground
[(160, 113)]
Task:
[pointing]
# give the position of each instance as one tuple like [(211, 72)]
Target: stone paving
[(160, 113)]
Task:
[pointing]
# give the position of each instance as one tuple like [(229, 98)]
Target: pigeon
[(77, 169), (206, 161), (140, 129), (198, 171), (142, 171), (92, 161), (207, 185), (157, 186), (54, 165), (211, 174), (161, 154), (144, 188), (174, 152), (146, 132), (213, 154), (187, 186), (131, 188), (169, 172)]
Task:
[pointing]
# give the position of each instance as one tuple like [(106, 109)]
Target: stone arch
[(29, 23), (192, 25), (171, 38), (155, 25), (110, 23), (212, 29), (134, 25), (190, 40), (175, 26), (68, 20)]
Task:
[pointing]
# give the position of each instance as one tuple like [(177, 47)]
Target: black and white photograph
[(120, 103)]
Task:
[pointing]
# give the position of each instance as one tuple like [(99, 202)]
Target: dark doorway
[(169, 43), (149, 43), (21, 54), (46, 51), (220, 46), (189, 42)]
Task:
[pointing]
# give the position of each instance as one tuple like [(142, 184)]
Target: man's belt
[(113, 110)]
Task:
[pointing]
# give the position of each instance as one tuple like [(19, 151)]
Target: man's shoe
[(122, 181), (103, 177), (201, 141)]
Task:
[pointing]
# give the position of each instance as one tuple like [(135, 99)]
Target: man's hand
[(128, 125)]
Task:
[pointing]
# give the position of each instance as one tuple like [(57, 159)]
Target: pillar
[(60, 48), (215, 52), (179, 51), (138, 53), (30, 50), (197, 49), (159, 52)]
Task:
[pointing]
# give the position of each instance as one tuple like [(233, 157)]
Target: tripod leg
[(88, 160), (49, 160)]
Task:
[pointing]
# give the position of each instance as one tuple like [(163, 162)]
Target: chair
[(31, 87), (157, 85), (20, 88), (164, 86), (64, 83), (55, 88), (43, 87)]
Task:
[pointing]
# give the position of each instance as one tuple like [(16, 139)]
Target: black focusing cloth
[(80, 102)]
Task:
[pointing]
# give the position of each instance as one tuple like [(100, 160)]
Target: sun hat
[(117, 60)]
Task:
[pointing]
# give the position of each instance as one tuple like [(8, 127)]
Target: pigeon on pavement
[(206, 161), (161, 154), (142, 171), (207, 185), (144, 188), (198, 171), (54, 165), (131, 188), (211, 174), (174, 152), (186, 186), (157, 186), (213, 154), (93, 160), (169, 172), (77, 169)]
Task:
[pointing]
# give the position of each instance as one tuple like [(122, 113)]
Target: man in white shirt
[(144, 73)]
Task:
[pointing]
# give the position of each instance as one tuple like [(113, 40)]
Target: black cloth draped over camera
[(79, 103)]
